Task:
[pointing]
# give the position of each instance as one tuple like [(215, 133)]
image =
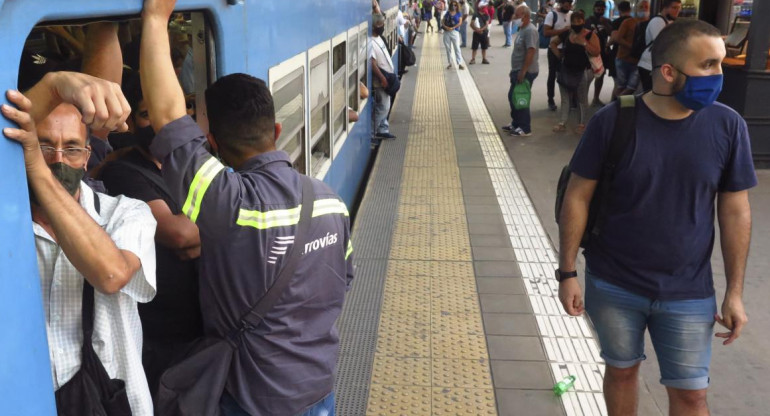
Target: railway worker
[(651, 265), (381, 64), (247, 220), (81, 234)]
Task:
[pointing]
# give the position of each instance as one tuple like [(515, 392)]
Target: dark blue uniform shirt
[(659, 231), (247, 220)]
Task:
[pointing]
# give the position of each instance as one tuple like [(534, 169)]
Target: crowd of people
[(149, 250), (179, 242)]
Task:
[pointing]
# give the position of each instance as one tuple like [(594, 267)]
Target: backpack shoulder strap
[(623, 131)]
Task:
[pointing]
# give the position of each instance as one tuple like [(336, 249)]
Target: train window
[(318, 88), (353, 69), (339, 78), (287, 84), (56, 46)]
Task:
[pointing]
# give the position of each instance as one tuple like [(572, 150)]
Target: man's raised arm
[(161, 89)]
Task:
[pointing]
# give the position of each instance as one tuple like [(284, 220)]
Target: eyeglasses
[(72, 154)]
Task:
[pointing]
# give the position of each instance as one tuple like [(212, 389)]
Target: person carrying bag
[(91, 391), (194, 386)]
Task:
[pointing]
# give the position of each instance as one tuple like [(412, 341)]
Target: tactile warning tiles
[(430, 310), (470, 374), (392, 400), (463, 402)]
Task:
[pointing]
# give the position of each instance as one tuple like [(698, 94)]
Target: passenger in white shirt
[(381, 62), (668, 14), (111, 247)]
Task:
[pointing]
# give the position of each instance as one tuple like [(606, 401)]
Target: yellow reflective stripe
[(200, 184), (269, 219), (329, 206), (350, 249), (285, 217)]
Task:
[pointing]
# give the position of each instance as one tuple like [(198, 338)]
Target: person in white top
[(668, 14), (381, 63), (465, 8), (556, 23), (109, 244)]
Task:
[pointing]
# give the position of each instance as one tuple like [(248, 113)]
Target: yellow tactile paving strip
[(431, 356)]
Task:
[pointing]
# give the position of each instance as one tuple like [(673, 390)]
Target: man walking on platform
[(251, 225), (524, 68), (649, 267)]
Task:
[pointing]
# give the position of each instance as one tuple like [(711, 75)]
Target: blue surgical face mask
[(700, 91)]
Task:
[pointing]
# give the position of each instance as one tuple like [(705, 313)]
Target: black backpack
[(639, 44), (622, 134)]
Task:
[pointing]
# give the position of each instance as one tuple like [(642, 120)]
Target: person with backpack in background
[(627, 75), (480, 27), (601, 26), (427, 15), (652, 28), (624, 7), (575, 71), (556, 23)]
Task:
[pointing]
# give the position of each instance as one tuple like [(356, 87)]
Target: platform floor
[(454, 307)]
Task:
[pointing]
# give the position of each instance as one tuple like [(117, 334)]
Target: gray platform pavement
[(739, 372)]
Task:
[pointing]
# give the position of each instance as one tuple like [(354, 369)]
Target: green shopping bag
[(521, 95)]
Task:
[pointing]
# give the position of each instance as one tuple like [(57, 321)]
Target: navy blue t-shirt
[(659, 231)]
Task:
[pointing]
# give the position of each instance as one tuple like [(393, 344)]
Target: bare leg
[(621, 390), (687, 402)]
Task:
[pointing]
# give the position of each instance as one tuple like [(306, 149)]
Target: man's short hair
[(667, 3), (671, 45), (527, 10), (578, 15), (600, 3), (624, 6), (241, 112)]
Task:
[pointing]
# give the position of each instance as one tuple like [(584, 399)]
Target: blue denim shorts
[(681, 332)]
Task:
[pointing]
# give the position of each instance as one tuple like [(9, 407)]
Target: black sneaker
[(384, 136), (552, 106), (508, 128)]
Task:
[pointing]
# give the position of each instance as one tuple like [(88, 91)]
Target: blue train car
[(312, 53)]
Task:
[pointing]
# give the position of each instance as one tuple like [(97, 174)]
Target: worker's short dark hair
[(624, 6), (667, 3), (670, 47), (241, 112)]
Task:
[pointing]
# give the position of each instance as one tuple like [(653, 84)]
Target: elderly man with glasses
[(82, 236)]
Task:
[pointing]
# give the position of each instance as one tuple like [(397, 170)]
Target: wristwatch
[(562, 276)]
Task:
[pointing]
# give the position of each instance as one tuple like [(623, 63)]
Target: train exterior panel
[(255, 37)]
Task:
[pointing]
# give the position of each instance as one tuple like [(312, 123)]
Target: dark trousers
[(554, 65), (520, 118), (646, 77)]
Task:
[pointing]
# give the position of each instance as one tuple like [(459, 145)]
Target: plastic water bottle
[(565, 384)]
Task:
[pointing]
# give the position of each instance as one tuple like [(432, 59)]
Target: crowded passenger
[(451, 25), (650, 266), (480, 26), (624, 8), (668, 14), (627, 75), (172, 320), (246, 214), (507, 19), (382, 77), (556, 23), (466, 11), (85, 240), (601, 26), (575, 70), (524, 68)]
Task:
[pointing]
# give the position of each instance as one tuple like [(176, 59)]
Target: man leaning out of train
[(284, 363), (107, 243)]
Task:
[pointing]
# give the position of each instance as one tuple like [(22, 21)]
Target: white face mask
[(517, 22)]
